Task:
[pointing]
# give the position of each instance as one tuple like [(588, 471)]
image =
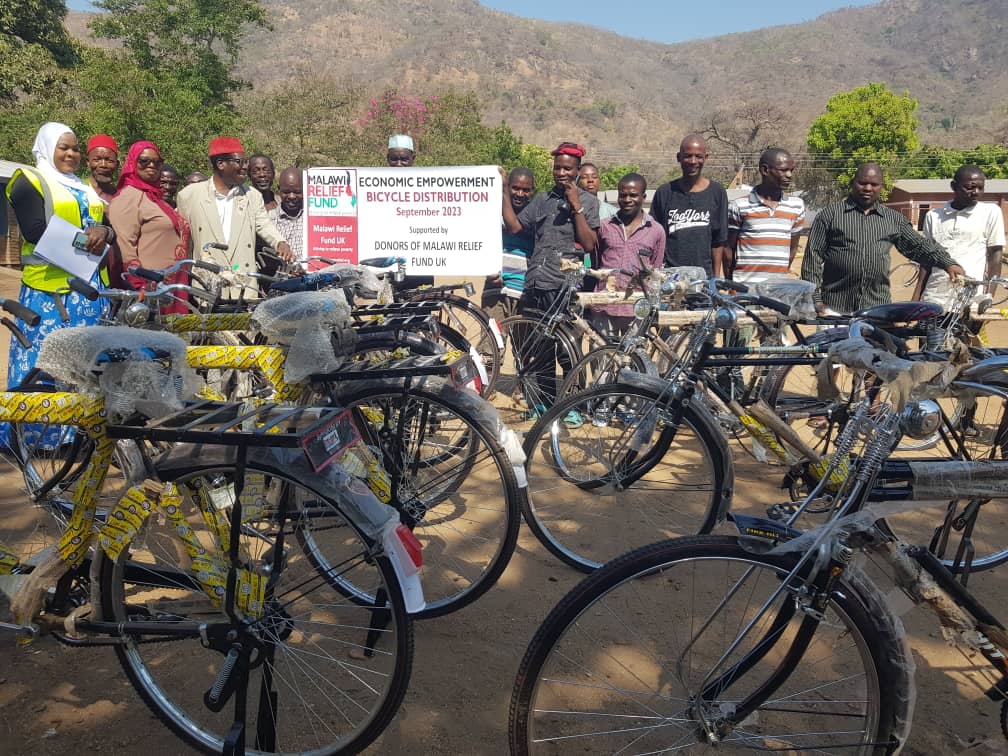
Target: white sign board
[(442, 221)]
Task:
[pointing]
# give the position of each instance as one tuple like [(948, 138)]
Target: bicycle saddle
[(900, 312)]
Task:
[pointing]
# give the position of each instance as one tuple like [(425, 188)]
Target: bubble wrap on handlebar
[(364, 280), (304, 321), (797, 294), (134, 382), (688, 274), (904, 379)]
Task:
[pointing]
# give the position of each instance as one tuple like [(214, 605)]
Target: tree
[(942, 162), (746, 130), (868, 123), (610, 177), (197, 41), (507, 149), (308, 119), (34, 47)]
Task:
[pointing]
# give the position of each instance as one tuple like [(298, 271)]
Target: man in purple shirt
[(621, 240)]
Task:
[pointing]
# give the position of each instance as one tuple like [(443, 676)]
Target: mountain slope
[(633, 100)]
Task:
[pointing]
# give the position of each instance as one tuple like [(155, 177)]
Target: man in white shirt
[(972, 232), (224, 210)]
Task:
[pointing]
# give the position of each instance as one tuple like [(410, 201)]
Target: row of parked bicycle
[(255, 514)]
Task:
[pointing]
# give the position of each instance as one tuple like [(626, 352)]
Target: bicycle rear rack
[(230, 424)]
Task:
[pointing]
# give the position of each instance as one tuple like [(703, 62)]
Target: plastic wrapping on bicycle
[(903, 378)]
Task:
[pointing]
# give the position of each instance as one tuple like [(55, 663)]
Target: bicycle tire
[(305, 630), (47, 454), (527, 350), (456, 489), (628, 473), (611, 662), (603, 365)]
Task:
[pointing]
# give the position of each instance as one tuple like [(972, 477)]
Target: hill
[(632, 100)]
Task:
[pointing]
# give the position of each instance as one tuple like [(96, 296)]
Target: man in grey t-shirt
[(559, 219)]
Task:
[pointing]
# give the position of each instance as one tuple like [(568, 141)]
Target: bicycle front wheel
[(327, 674), (603, 365), (640, 658), (612, 468)]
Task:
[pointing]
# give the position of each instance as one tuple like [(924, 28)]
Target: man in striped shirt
[(764, 227), (847, 254)]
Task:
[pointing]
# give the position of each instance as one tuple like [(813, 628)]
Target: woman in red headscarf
[(150, 232)]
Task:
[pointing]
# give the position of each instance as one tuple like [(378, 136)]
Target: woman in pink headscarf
[(150, 232)]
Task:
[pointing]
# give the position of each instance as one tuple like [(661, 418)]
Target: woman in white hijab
[(52, 188)]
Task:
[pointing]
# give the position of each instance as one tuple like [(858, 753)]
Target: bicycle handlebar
[(161, 292), (861, 329), (83, 288), (19, 311)]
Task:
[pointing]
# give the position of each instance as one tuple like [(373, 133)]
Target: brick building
[(914, 197)]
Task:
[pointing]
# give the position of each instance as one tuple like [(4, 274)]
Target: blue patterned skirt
[(21, 360)]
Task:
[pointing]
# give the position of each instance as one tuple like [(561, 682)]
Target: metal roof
[(7, 168), (937, 186)]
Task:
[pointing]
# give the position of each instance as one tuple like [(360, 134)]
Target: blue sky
[(657, 19), (669, 20)]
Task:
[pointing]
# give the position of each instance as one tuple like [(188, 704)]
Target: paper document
[(56, 247)]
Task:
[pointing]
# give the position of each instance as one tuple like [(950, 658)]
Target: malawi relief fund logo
[(332, 213)]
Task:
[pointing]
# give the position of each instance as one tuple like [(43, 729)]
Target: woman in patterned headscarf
[(150, 232)]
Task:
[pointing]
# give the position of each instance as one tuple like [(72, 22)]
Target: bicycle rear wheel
[(531, 359), (637, 659), (611, 469), (318, 684), (451, 481)]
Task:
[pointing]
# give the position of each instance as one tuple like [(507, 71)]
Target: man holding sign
[(559, 219)]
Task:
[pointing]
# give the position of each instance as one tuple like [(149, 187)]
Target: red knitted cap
[(101, 140), (570, 148), (225, 146)]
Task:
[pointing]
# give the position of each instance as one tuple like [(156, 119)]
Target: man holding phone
[(559, 220)]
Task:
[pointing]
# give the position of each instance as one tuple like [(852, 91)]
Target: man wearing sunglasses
[(226, 210)]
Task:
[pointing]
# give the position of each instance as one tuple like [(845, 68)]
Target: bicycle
[(772, 639), (441, 455), (457, 314), (648, 454), (197, 562), (642, 347)]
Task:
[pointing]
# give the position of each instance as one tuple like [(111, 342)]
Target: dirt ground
[(56, 700)]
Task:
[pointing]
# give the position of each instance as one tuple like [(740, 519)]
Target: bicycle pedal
[(20, 631)]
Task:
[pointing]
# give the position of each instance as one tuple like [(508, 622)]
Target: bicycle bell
[(921, 418), (725, 318), (137, 314)]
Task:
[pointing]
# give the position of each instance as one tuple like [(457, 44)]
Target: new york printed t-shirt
[(693, 222)]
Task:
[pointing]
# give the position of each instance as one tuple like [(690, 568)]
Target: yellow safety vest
[(36, 272)]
